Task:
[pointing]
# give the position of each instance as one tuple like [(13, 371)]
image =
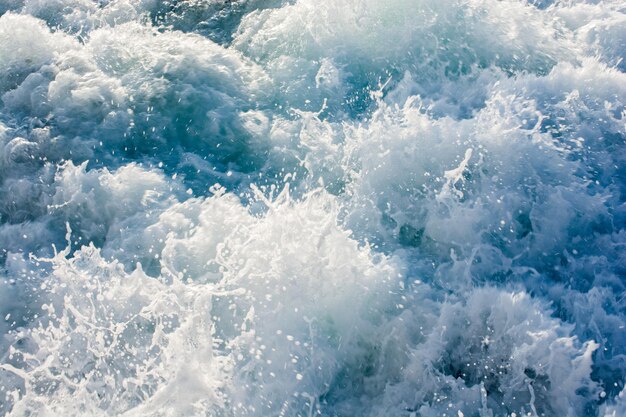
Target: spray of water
[(312, 208)]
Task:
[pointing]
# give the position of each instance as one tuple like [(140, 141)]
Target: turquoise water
[(368, 208)]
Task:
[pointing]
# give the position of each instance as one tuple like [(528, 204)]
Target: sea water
[(368, 208)]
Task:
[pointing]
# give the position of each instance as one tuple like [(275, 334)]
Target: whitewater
[(229, 208)]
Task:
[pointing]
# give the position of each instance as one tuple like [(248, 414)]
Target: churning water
[(398, 208)]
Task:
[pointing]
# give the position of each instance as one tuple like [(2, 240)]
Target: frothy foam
[(295, 208)]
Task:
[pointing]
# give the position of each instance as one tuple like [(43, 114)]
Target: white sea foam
[(298, 208)]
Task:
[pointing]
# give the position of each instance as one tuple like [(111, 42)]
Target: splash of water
[(298, 208)]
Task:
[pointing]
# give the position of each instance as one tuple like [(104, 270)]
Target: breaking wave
[(298, 208)]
